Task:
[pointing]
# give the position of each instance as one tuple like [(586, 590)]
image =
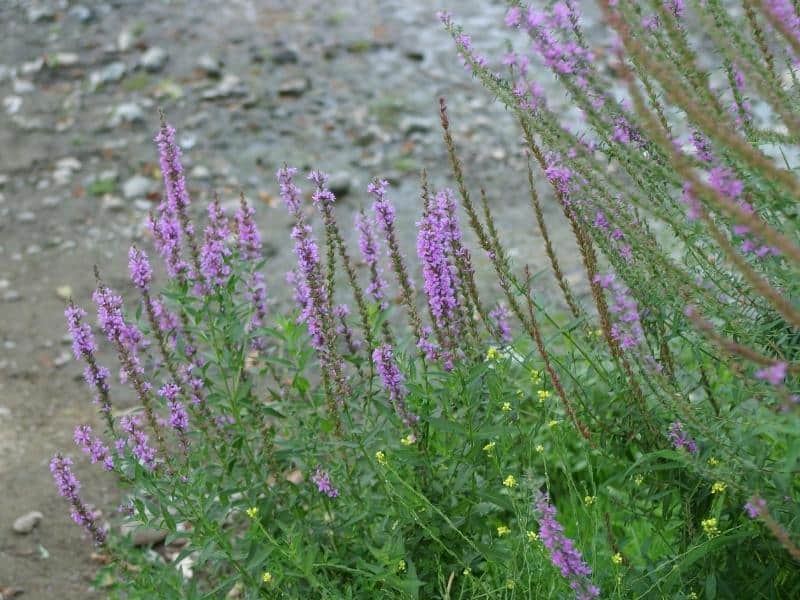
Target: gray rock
[(340, 184), (124, 40), (80, 13), (113, 203), (32, 67), (51, 201), (23, 86), (12, 104), (128, 112), (64, 59), (109, 74), (154, 59), (295, 87), (284, 56), (26, 216), (26, 523), (230, 85), (136, 187), (39, 14), (413, 124), (210, 65)]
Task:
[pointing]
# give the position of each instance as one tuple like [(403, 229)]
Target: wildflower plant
[(635, 437)]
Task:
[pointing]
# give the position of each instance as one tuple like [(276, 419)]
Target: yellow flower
[(506, 407), (510, 481), (510, 584), (380, 457), (467, 572), (617, 559), (252, 512), (712, 462), (693, 596), (553, 423), (710, 527), (539, 448), (718, 487), (401, 566), (589, 500), (503, 530), (532, 536), (489, 448), (639, 479), (536, 377), (492, 353), (408, 440), (543, 395), (266, 577)]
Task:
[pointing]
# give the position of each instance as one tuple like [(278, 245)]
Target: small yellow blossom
[(532, 536), (408, 440), (489, 448), (536, 377), (266, 577), (492, 353), (380, 457), (553, 423), (543, 395), (713, 462), (252, 512), (639, 479), (401, 566), (693, 596), (718, 487), (617, 559), (539, 448), (506, 407), (589, 500), (466, 572), (710, 527), (503, 530), (510, 584), (510, 481)]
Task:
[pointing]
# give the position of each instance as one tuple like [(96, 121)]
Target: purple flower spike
[(215, 250), (139, 441), (393, 381), (323, 481), (140, 269), (437, 234), (774, 374), (94, 447), (249, 239), (755, 507), (68, 486), (563, 553), (679, 439), (384, 210), (178, 417), (290, 193), (368, 245), (500, 316)]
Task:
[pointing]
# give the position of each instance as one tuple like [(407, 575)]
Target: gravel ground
[(349, 87)]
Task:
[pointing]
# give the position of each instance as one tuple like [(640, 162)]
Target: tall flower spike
[(563, 553), (215, 251), (177, 201), (249, 238), (393, 382), (84, 348), (93, 446), (68, 486), (368, 245), (140, 269)]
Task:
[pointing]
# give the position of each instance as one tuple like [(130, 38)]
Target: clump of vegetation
[(395, 438)]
